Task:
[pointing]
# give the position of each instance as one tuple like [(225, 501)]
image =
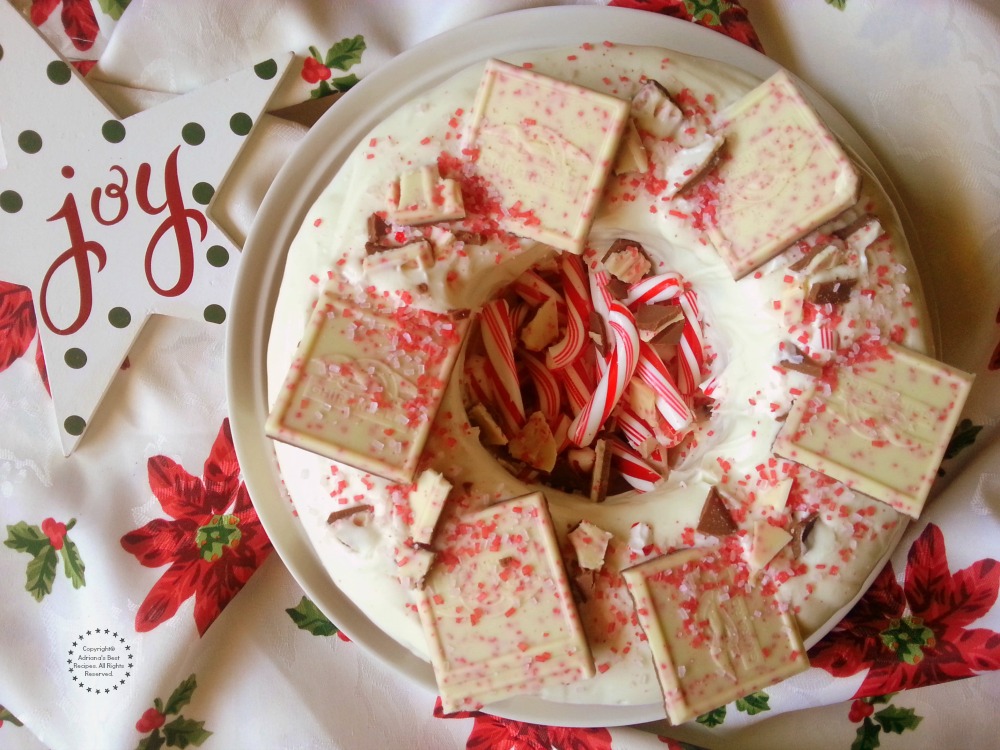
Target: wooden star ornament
[(106, 219)]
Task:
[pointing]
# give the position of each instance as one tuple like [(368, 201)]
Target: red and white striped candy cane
[(692, 346), (634, 470), (477, 380), (497, 334), (533, 289), (576, 291), (612, 384), (577, 383), (634, 427), (669, 401), (659, 288), (546, 387)]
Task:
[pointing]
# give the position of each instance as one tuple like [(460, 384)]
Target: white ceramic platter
[(297, 186)]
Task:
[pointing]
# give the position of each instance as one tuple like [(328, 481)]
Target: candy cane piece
[(500, 367), (692, 346), (669, 401), (634, 470), (660, 288), (634, 427), (577, 383), (533, 289), (576, 290), (612, 384), (546, 387)]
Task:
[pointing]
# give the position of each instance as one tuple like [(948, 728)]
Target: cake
[(643, 278)]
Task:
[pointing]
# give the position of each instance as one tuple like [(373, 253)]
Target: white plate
[(297, 186)]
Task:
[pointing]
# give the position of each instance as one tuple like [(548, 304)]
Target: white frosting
[(743, 328)]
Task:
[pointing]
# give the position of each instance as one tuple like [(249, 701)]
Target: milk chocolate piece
[(651, 320), (715, 518), (366, 382), (499, 617), (713, 638), (546, 147), (883, 427), (599, 333), (343, 513), (601, 475), (783, 175), (835, 292), (799, 361), (627, 260)]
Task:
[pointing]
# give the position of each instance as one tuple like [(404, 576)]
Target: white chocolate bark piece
[(590, 543), (366, 382), (420, 196), (766, 541), (427, 501), (883, 427), (546, 146), (781, 175), (497, 610), (713, 638)]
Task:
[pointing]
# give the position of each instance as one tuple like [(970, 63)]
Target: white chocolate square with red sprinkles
[(546, 147), (714, 635), (882, 427), (497, 610), (781, 174), (366, 382)]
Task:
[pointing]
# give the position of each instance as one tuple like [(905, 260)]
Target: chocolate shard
[(800, 362), (378, 229), (800, 534), (600, 478), (654, 319), (617, 288), (715, 519), (599, 333), (835, 292), (343, 513)]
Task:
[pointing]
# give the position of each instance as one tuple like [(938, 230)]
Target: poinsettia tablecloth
[(143, 606)]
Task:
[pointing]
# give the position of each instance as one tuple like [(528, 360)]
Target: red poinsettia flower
[(490, 732), (722, 15), (77, 17), (917, 634), (213, 542), (18, 327)]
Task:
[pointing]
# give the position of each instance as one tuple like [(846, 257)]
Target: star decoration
[(105, 219)]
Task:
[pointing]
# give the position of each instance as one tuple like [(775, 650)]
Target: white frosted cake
[(631, 308)]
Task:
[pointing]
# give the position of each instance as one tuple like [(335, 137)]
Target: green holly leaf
[(180, 697), (73, 563), (838, 4), (24, 538), (321, 90), (713, 718), (41, 573), (308, 617), (345, 83), (965, 435), (867, 737), (154, 741), (875, 700), (897, 720), (182, 732), (346, 53), (6, 715), (755, 703), (114, 8)]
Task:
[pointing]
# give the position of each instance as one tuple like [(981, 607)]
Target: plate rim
[(318, 156)]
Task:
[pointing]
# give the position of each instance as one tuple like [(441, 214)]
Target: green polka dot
[(58, 72), (75, 425), (217, 256), (203, 193), (30, 142), (10, 201), (113, 131), (193, 134), (266, 70), (119, 317), (240, 123), (1, 52), (215, 314), (75, 358)]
